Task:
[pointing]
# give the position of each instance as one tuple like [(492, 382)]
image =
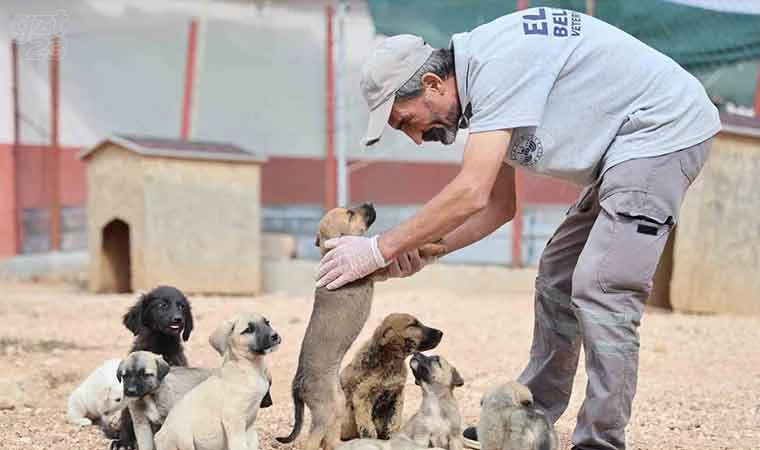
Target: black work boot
[(470, 438)]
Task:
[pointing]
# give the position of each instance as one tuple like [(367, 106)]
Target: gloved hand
[(351, 258), (404, 266)]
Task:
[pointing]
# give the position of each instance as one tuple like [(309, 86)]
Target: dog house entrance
[(116, 267)]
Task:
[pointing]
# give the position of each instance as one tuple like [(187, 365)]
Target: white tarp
[(735, 6)]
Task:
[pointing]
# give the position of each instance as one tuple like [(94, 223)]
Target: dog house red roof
[(176, 148)]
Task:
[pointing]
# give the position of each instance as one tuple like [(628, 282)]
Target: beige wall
[(717, 248), (204, 218), (115, 192)]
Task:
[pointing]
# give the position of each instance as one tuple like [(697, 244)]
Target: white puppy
[(98, 397)]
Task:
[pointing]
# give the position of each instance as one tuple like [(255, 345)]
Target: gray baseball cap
[(391, 64)]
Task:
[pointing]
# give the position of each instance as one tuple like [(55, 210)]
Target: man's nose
[(415, 136)]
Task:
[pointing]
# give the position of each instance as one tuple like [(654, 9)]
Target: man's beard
[(443, 132)]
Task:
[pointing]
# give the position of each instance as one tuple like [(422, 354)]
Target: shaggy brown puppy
[(374, 381)]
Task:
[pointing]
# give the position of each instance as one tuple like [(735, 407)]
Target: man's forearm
[(444, 213), (500, 210), (478, 226)]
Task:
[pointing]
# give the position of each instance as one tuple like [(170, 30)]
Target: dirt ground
[(699, 384)]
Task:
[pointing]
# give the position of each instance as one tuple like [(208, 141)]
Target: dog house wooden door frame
[(116, 259)]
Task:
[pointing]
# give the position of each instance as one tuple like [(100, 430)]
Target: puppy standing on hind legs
[(336, 320)]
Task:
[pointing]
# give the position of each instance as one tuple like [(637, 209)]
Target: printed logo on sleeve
[(561, 24), (526, 150)]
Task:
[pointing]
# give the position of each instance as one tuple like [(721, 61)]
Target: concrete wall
[(203, 229), (717, 247)]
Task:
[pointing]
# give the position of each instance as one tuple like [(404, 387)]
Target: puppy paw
[(117, 444), (82, 422), (367, 433), (433, 250)]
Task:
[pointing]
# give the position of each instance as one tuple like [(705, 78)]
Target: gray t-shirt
[(580, 95)]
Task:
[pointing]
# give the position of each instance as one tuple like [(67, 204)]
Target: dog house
[(716, 250), (164, 211)]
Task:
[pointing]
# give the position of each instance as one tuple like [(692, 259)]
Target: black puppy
[(157, 320)]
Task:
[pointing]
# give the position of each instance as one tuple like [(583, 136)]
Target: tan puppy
[(374, 381), (437, 422), (509, 421), (151, 388), (336, 320), (219, 413)]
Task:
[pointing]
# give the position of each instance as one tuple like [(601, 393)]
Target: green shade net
[(721, 48)]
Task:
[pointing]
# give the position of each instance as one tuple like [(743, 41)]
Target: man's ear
[(433, 82)]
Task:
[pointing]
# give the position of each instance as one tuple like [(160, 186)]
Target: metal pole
[(757, 93), (187, 97), (55, 153), (341, 113), (330, 200), (196, 95), (517, 225), (14, 153)]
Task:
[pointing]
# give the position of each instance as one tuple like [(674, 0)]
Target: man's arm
[(500, 210), (467, 196)]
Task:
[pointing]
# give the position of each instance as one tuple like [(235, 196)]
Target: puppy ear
[(456, 379), (120, 371), (524, 396), (133, 319), (188, 321), (389, 335), (218, 339), (162, 368)]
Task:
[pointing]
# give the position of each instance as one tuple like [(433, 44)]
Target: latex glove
[(351, 258), (404, 266)]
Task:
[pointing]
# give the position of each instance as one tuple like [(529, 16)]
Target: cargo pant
[(594, 277)]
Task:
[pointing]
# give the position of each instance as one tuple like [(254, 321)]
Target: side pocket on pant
[(640, 226)]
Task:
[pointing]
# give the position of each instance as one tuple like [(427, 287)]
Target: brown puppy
[(374, 381), (336, 320), (437, 422)]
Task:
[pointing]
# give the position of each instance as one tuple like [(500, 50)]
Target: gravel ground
[(699, 384)]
